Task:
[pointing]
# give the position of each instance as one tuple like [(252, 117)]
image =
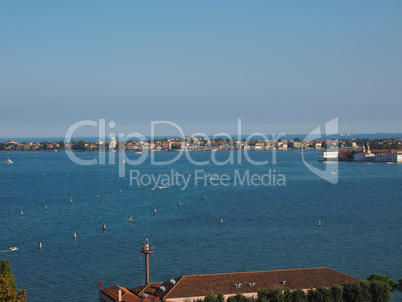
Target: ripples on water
[(264, 227)]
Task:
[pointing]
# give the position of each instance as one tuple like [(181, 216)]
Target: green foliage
[(299, 296), (5, 267), (287, 296), (297, 139), (348, 143), (324, 294), (358, 291), (8, 292), (80, 145), (384, 279), (337, 292), (220, 297), (261, 295), (211, 297), (8, 286), (6, 270), (275, 294), (238, 298), (312, 296), (379, 291), (61, 144)]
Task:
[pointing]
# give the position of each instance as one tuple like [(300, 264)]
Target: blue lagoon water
[(265, 227)]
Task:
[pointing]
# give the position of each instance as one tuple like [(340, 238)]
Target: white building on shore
[(378, 155), (328, 155)]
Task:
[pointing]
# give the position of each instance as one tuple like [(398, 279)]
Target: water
[(265, 227)]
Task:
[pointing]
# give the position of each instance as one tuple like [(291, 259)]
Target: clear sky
[(280, 66)]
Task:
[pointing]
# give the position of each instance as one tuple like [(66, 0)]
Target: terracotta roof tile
[(199, 285), (126, 294), (250, 282)]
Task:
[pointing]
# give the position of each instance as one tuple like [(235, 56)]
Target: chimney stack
[(119, 295)]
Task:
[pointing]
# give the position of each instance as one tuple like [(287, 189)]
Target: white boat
[(13, 248), (8, 161)]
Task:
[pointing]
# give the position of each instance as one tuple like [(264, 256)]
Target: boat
[(13, 248), (8, 161)]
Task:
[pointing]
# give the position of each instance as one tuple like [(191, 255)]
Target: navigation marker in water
[(104, 227), (221, 222), (154, 210), (71, 200), (130, 219), (319, 223), (40, 245), (75, 235)]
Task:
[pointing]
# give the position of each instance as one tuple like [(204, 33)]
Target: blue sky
[(280, 66)]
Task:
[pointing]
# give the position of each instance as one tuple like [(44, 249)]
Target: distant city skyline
[(279, 66)]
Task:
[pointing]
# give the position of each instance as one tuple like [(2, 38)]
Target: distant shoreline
[(53, 139)]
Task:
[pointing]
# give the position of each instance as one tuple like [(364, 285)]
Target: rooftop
[(233, 283)]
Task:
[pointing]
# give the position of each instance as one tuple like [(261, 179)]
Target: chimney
[(119, 295)]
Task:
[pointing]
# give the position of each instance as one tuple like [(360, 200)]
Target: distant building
[(112, 143), (379, 156), (328, 155)]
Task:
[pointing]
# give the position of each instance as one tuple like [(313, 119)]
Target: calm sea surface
[(265, 227)]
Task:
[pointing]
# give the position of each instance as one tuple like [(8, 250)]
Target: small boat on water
[(8, 161), (12, 249)]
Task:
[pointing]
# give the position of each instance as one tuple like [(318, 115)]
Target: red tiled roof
[(199, 285), (148, 289), (126, 294)]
